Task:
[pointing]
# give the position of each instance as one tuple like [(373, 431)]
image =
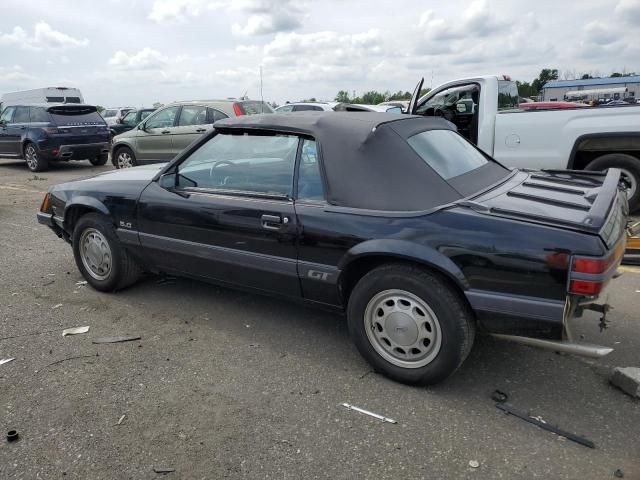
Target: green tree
[(546, 75), (616, 74), (99, 108), (372, 98), (343, 97), (586, 76)]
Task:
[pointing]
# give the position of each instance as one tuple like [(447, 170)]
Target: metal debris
[(508, 409), (6, 360), (125, 338), (163, 470), (13, 436), (75, 330), (474, 463), (121, 420), (367, 412), (70, 358)]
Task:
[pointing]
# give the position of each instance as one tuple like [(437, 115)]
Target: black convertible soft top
[(366, 159)]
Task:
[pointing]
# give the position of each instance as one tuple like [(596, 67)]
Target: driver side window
[(261, 164)]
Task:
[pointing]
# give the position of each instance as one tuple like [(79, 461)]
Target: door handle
[(201, 130), (164, 132), (271, 222)]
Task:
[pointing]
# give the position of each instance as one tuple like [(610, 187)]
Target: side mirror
[(167, 180), (3, 123), (141, 127)]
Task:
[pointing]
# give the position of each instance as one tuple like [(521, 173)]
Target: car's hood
[(135, 178)]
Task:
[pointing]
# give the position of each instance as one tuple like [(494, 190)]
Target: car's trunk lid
[(578, 200)]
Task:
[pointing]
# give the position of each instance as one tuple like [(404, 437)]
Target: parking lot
[(225, 384)]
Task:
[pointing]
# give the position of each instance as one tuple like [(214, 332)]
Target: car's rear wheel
[(124, 158), (630, 169), (100, 257), (35, 162), (99, 160), (410, 324)]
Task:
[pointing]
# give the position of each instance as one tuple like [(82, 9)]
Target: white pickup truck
[(485, 110)]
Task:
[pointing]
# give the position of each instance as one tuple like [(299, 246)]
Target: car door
[(5, 120), (193, 121), (153, 142), (226, 213), (16, 129)]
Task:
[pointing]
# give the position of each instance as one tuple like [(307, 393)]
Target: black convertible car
[(397, 220)]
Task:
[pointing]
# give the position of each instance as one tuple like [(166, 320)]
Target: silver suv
[(170, 129)]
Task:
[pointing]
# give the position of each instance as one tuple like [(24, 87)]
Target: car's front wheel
[(100, 257), (410, 324), (124, 158), (35, 162)]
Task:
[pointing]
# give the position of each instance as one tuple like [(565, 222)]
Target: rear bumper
[(82, 151)]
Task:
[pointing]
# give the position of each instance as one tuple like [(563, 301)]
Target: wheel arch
[(80, 206), (588, 147), (371, 254)]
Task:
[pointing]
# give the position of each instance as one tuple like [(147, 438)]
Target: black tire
[(630, 166), (34, 160), (453, 315), (99, 160), (124, 270), (119, 157)]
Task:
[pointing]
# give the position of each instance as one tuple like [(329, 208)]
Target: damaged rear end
[(589, 203)]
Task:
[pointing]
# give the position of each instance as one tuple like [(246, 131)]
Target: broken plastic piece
[(508, 409), (371, 414), (55, 307), (12, 435), (75, 330), (163, 470), (6, 360), (125, 338), (499, 396)]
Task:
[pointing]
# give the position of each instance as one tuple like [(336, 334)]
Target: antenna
[(261, 95)]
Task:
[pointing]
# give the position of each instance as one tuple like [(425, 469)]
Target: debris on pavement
[(6, 360), (70, 358), (618, 473), (367, 412), (499, 396), (474, 463), (121, 420), (12, 436), (126, 338), (81, 283), (163, 470), (55, 307), (508, 409), (627, 379), (75, 330)]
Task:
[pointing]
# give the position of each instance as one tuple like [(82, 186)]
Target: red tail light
[(591, 265), (585, 287), (237, 110)]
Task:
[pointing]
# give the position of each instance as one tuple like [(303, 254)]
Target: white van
[(42, 95)]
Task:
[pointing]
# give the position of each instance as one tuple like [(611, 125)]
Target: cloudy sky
[(136, 52)]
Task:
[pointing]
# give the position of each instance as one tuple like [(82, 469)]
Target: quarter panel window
[(216, 115), (261, 164), (309, 177), (163, 119), (39, 114)]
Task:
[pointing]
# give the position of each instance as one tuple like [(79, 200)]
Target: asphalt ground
[(225, 384)]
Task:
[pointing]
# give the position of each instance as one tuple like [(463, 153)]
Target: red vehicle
[(551, 105)]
